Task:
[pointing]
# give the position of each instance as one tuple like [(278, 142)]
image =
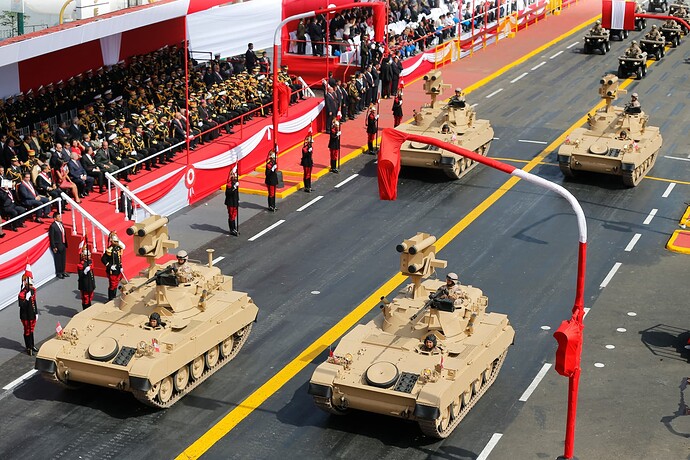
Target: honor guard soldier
[(372, 128), (397, 108), (271, 180), (112, 259), (307, 161), (28, 311), (334, 146), (87, 279), (232, 201)]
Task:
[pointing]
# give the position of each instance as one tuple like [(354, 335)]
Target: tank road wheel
[(165, 390), (153, 392), (211, 357), (196, 368), (181, 379), (457, 406), (232, 345), (566, 170), (226, 346), (457, 170)]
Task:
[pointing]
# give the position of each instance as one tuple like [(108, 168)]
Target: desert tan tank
[(455, 122), (204, 323), (386, 367), (616, 141)]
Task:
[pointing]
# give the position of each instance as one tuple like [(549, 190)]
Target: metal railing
[(85, 218), (32, 211), (136, 203)]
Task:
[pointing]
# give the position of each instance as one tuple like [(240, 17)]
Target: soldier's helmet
[(598, 22), (182, 255), (634, 42), (430, 338), (653, 26)]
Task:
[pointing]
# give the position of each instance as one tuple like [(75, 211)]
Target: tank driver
[(429, 344)]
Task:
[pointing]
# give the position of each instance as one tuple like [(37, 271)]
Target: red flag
[(441, 362), (58, 328), (156, 345), (330, 352), (27, 271), (618, 15)]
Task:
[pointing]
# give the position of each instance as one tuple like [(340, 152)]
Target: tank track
[(53, 378), (566, 169), (430, 427), (467, 164), (632, 178), (144, 396)]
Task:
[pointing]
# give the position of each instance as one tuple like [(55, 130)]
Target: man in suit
[(61, 134), (78, 175), (88, 162), (250, 58), (61, 155), (8, 206), (30, 198), (58, 244)]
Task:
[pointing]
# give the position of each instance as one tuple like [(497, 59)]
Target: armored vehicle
[(455, 122), (424, 358), (678, 6), (629, 65), (616, 140), (201, 324), (654, 48), (595, 41), (672, 34), (657, 5)]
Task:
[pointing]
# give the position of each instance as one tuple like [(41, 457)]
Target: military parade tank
[(615, 141), (203, 324), (455, 125), (385, 366)]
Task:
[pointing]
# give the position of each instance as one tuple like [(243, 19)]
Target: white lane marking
[(610, 347), (527, 141), (538, 65), (612, 272), (633, 242), (651, 215), (496, 138), (494, 93), (533, 386), (346, 181), (668, 190), (519, 78), (474, 105), (632, 313), (676, 158), (572, 44), (556, 55), (316, 292), (217, 259), (546, 328), (598, 364), (19, 380), (586, 309), (263, 232), (484, 454), (310, 203)]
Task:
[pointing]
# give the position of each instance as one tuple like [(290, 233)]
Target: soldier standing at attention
[(28, 311), (372, 128), (307, 161), (397, 108), (232, 200), (87, 279), (112, 259), (334, 146), (271, 180)]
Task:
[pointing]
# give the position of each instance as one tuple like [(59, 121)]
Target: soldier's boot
[(84, 306), (370, 145), (111, 294), (27, 344), (307, 185), (233, 227), (334, 166), (33, 344)]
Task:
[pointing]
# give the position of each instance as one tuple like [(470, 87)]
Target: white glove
[(376, 117), (28, 295), (191, 137), (113, 267), (337, 134), (274, 167), (87, 269), (200, 124)]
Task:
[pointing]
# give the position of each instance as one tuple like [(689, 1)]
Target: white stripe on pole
[(617, 14)]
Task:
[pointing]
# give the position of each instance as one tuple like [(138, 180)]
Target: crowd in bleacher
[(119, 119)]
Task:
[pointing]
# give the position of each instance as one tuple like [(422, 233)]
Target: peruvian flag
[(27, 271), (156, 345), (441, 364), (618, 15), (58, 328)]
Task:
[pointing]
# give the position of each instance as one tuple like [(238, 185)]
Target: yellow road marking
[(259, 396)]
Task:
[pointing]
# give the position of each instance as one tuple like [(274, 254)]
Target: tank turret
[(429, 356)]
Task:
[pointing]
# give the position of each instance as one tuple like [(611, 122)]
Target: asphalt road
[(521, 251)]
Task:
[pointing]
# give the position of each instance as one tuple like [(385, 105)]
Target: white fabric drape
[(298, 124), (173, 201), (234, 154), (617, 15), (9, 80), (110, 49), (257, 19)]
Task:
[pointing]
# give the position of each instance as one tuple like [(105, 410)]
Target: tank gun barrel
[(156, 275), (147, 229)]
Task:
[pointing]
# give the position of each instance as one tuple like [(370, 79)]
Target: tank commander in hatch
[(634, 50), (634, 105), (451, 290), (597, 29), (654, 34), (429, 344), (458, 99), (445, 129), (182, 268)]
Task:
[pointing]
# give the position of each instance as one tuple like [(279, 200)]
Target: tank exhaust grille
[(124, 357), (406, 382)]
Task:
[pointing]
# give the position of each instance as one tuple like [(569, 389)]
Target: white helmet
[(182, 254), (452, 276)]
